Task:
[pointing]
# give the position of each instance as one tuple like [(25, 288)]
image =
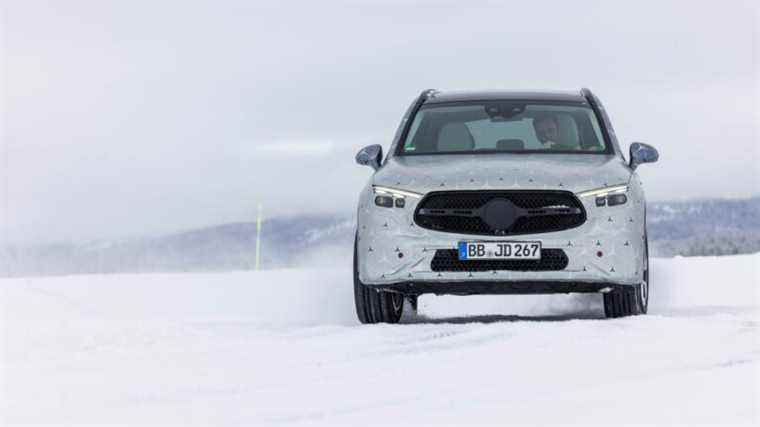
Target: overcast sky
[(130, 118)]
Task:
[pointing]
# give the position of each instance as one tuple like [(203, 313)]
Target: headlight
[(604, 191), (616, 199), (395, 192), (388, 197), (610, 196)]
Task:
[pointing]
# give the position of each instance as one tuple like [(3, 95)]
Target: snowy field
[(283, 347)]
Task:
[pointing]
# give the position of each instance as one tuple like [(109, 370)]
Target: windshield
[(504, 126)]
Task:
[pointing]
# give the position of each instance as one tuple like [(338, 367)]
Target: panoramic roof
[(490, 95)]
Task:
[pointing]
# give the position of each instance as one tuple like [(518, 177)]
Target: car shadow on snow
[(493, 318)]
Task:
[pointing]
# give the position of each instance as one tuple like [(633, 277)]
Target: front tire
[(621, 302), (374, 305), (642, 294), (630, 300)]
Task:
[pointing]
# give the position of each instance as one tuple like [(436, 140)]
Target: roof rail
[(428, 93)]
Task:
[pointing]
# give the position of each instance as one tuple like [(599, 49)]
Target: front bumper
[(490, 287), (607, 250)]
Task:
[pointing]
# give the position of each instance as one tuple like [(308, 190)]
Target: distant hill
[(706, 227), (216, 248)]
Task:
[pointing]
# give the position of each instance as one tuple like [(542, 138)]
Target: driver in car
[(547, 131)]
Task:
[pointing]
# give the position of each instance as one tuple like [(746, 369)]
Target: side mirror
[(642, 153), (370, 155)]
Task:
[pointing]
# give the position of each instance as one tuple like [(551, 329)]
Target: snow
[(283, 347)]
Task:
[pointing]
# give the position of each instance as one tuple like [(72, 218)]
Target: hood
[(572, 172)]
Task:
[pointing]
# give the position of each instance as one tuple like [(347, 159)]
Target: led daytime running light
[(604, 191), (395, 192)]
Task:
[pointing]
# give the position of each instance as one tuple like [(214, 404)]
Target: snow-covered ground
[(283, 347)]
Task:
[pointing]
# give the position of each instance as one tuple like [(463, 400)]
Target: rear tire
[(630, 300), (374, 305)]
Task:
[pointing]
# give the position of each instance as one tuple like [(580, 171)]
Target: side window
[(409, 144)]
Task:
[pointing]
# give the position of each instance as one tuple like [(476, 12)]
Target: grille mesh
[(448, 260), (526, 200)]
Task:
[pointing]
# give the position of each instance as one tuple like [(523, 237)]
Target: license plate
[(499, 250)]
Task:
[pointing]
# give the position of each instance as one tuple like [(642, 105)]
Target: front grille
[(448, 260), (500, 212)]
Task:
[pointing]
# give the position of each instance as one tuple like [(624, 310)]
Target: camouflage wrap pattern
[(617, 232)]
